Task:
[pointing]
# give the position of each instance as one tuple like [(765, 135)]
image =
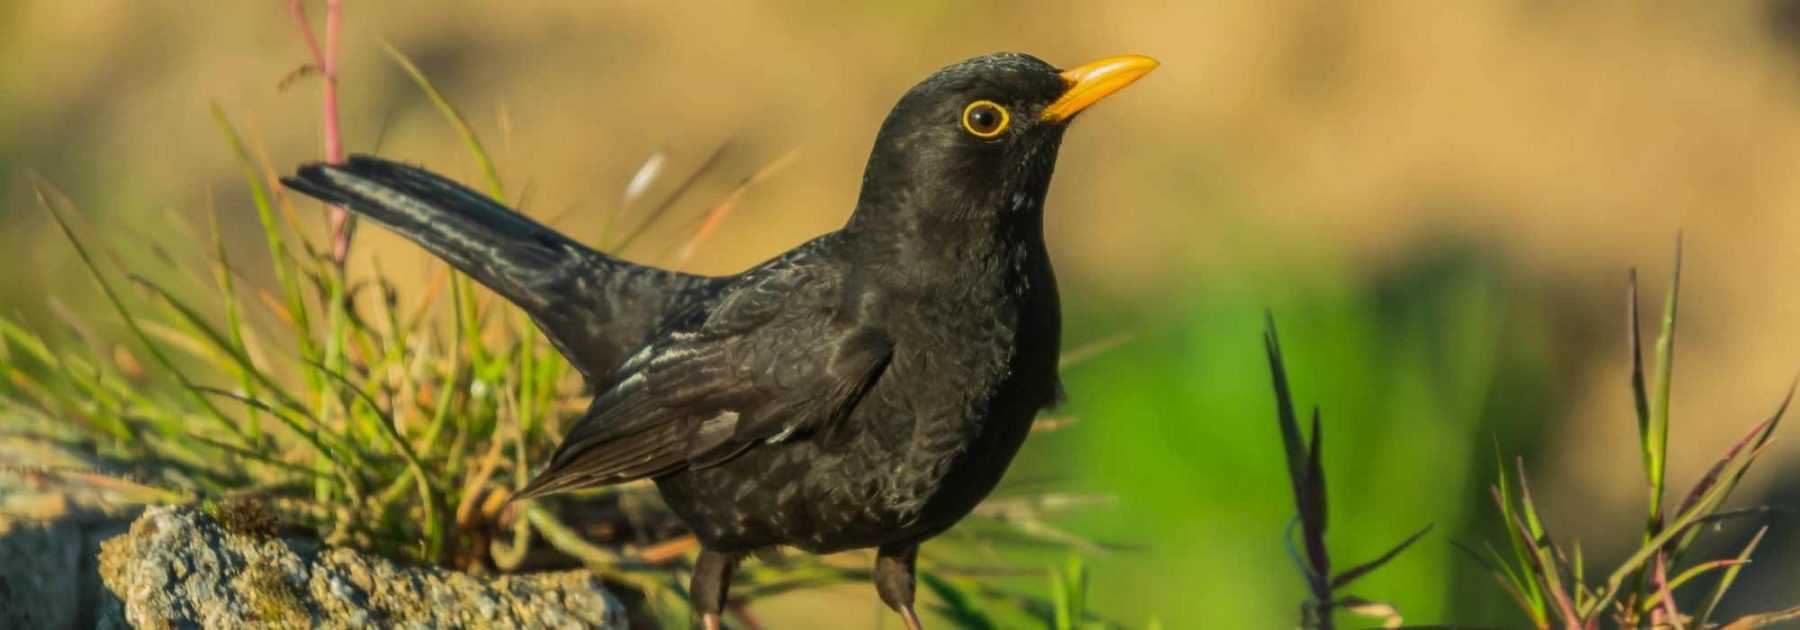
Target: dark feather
[(761, 365), (595, 308)]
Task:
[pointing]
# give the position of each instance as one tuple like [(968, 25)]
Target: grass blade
[(1502, 574), (434, 535), (222, 275), (656, 213), (131, 321), (1755, 439), (1314, 515), (1656, 599), (1284, 408), (281, 259), (1724, 584), (1706, 505), (710, 222), (1351, 574), (1764, 620), (1068, 592), (1543, 560), (456, 120), (1539, 609), (1088, 351), (471, 142), (219, 343), (1657, 439), (1639, 393)]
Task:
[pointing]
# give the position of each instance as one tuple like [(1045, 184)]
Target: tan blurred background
[(1566, 142)]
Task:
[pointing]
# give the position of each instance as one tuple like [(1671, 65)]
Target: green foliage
[(1416, 365), (1306, 476), (1068, 594), (1550, 585)]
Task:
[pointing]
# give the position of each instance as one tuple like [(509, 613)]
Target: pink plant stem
[(326, 61), (334, 17)]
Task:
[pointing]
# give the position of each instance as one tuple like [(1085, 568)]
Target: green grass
[(1179, 426), (1550, 583), (1419, 375), (1306, 477)]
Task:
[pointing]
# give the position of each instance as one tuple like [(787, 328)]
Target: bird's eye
[(985, 119)]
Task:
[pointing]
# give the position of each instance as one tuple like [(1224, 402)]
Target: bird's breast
[(973, 364)]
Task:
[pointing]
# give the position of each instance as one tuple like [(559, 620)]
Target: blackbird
[(864, 389)]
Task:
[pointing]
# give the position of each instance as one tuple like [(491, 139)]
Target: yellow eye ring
[(985, 119)]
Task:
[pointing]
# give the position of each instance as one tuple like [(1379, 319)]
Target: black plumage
[(865, 389)]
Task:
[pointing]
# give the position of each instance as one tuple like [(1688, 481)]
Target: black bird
[(864, 389)]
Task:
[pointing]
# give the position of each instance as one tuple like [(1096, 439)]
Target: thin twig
[(714, 217), (342, 224)]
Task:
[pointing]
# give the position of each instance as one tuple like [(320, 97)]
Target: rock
[(50, 535), (47, 573), (177, 567), (39, 560)]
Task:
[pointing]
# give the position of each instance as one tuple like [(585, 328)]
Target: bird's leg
[(894, 579), (712, 578)]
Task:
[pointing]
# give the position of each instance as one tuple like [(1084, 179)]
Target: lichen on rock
[(179, 567)]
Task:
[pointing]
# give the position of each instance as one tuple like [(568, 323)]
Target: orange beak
[(1092, 82)]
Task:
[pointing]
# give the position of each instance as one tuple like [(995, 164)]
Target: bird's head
[(977, 141)]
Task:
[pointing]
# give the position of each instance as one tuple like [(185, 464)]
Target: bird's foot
[(911, 619), (895, 571)]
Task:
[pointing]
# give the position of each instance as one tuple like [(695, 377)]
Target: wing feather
[(776, 358)]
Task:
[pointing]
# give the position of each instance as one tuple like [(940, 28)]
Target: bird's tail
[(515, 256)]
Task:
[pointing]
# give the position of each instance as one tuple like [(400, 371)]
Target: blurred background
[(1438, 202)]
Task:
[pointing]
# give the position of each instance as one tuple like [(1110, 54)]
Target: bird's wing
[(594, 307), (779, 355)]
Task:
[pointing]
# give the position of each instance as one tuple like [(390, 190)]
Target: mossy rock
[(179, 567)]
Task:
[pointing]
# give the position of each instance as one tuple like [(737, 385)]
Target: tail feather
[(649, 452), (510, 253), (595, 308)]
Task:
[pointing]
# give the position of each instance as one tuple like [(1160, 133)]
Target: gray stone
[(179, 568), (49, 576), (37, 567)]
